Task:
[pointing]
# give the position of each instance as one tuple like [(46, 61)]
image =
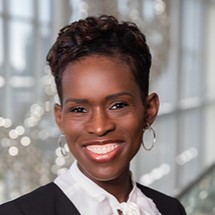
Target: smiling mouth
[(102, 149)]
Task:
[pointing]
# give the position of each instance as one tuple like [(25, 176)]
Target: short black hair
[(103, 35)]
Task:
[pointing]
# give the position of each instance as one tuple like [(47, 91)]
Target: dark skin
[(102, 110), (115, 186)]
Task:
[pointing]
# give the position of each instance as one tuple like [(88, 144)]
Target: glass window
[(189, 123), (166, 147), (24, 49), (44, 11), (45, 31), (22, 8), (148, 7), (209, 157), (165, 85), (21, 42), (1, 6), (2, 73), (22, 106), (1, 44), (189, 145), (210, 51), (154, 167), (190, 63), (189, 75)]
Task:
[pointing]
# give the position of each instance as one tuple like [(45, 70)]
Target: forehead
[(94, 67), (96, 77)]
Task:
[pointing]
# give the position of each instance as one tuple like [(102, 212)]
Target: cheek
[(71, 130), (135, 129)]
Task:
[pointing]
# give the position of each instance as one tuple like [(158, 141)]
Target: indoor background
[(181, 36)]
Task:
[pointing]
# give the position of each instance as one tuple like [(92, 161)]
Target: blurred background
[(181, 36)]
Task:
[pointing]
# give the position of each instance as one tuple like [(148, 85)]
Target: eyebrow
[(109, 97), (118, 95), (76, 100)]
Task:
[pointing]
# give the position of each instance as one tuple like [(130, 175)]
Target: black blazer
[(50, 200)]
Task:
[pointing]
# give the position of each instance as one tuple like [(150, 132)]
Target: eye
[(78, 110), (119, 105)]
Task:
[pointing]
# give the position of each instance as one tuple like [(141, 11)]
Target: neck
[(119, 187)]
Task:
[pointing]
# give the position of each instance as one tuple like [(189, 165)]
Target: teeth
[(98, 149)]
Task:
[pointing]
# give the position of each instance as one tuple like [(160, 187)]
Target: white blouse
[(91, 199)]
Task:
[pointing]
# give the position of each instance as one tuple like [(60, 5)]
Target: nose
[(100, 123)]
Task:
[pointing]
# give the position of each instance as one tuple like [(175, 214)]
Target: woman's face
[(102, 116)]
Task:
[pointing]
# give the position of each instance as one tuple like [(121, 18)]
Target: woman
[(101, 69)]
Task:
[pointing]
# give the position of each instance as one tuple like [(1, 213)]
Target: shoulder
[(166, 205), (32, 201), (48, 199)]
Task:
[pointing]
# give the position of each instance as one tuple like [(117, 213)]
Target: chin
[(109, 175)]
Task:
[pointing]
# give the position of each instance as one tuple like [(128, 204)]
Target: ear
[(151, 108), (58, 115)]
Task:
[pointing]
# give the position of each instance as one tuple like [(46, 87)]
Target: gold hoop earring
[(150, 129), (63, 151)]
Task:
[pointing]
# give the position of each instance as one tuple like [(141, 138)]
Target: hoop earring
[(150, 129), (62, 149)]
